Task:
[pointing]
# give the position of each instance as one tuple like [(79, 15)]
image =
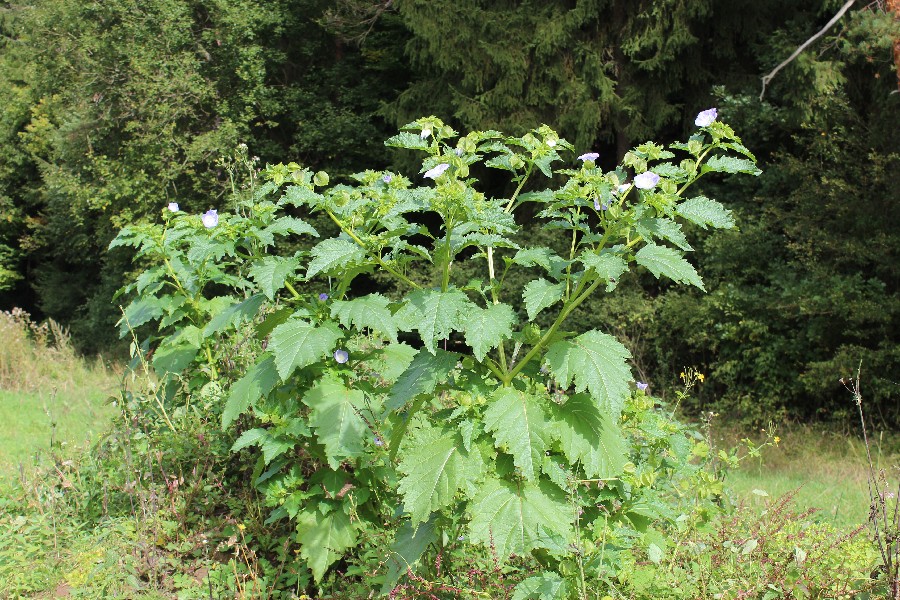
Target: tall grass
[(36, 357), (827, 468), (50, 397)]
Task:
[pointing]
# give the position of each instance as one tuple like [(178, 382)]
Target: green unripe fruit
[(320, 179)]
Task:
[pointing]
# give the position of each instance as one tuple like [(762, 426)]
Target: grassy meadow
[(50, 398), (53, 404)]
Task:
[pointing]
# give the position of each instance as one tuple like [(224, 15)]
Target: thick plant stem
[(501, 349), (566, 311), (377, 258), (291, 289)]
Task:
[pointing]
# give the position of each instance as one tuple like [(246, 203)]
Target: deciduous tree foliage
[(113, 109)]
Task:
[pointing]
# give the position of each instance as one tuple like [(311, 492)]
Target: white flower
[(425, 133), (341, 356), (551, 142), (705, 118), (437, 171), (173, 207), (210, 219), (646, 181)]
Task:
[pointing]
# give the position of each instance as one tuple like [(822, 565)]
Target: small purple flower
[(341, 356), (173, 207), (210, 219), (705, 118), (589, 156), (436, 171), (387, 178), (642, 386), (379, 441), (323, 296), (599, 207), (646, 181)]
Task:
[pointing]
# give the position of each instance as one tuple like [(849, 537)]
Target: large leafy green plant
[(444, 412)]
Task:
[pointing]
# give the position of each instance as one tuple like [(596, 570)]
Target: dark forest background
[(112, 109)]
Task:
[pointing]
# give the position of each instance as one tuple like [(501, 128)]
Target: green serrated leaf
[(366, 312), (705, 212), (286, 225), (324, 538), (518, 421), (296, 344), (258, 381), (422, 376), (334, 254), (434, 314), (244, 310), (392, 361), (271, 272), (406, 551), (251, 437), (485, 327), (596, 362), (140, 311), (173, 359), (546, 586), (665, 229), (607, 265), (298, 195), (730, 164), (405, 139), (661, 260), (436, 466), (588, 435), (540, 294), (517, 518), (336, 415)]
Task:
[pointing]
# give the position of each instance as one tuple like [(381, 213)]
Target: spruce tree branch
[(804, 45)]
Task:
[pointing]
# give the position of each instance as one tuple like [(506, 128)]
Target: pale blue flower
[(706, 117), (379, 441), (323, 296), (599, 207), (436, 171), (459, 151), (387, 178), (646, 181), (341, 356), (173, 207), (589, 156), (642, 386), (210, 219)]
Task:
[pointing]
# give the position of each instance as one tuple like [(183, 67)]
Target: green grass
[(36, 422), (828, 469)]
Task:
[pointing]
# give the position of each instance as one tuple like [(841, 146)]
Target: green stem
[(566, 311), (377, 258), (493, 368), (512, 200), (445, 279), (694, 175), (291, 289), (571, 258), (212, 364), (501, 349)]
